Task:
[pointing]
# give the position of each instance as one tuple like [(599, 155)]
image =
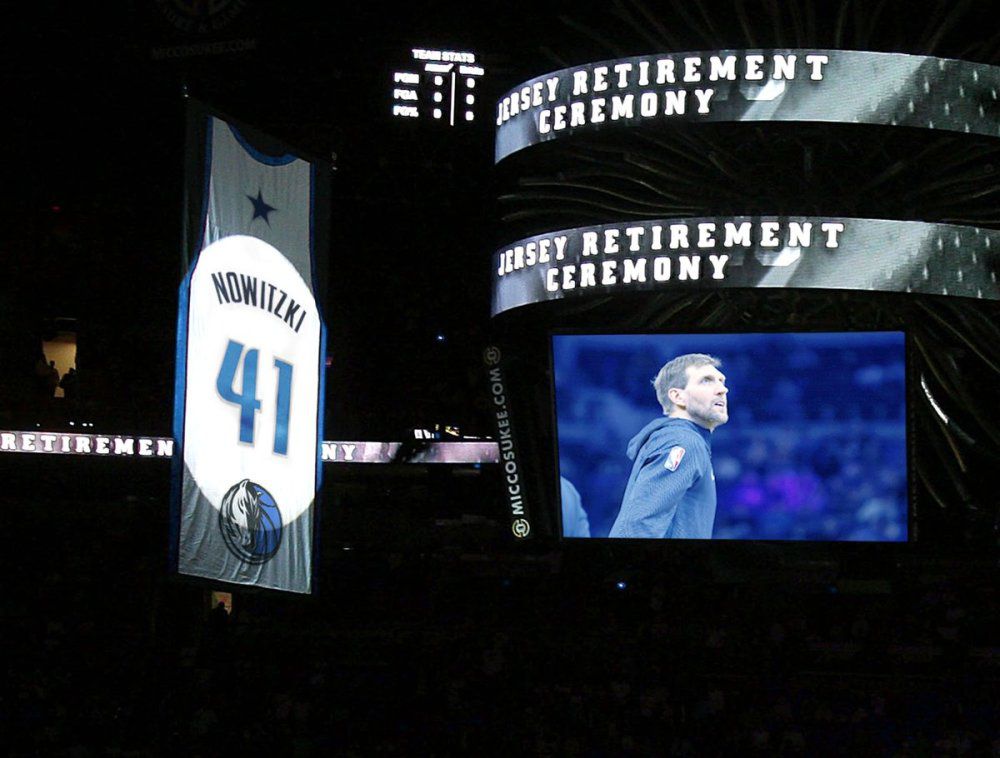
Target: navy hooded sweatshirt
[(671, 490)]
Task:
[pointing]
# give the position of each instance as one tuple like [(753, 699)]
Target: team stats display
[(442, 86)]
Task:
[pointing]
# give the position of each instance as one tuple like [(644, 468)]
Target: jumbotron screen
[(750, 436)]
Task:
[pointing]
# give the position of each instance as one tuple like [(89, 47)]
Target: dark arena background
[(847, 603)]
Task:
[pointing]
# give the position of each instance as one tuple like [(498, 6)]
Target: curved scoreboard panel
[(617, 148)]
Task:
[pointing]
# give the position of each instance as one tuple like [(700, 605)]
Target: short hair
[(674, 374)]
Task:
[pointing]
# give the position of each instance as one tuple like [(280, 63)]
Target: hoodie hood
[(656, 426)]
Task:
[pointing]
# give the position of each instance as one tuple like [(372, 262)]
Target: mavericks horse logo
[(250, 522)]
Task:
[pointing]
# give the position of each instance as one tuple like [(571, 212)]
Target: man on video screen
[(671, 490)]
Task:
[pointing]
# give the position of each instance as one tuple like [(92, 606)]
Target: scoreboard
[(439, 85)]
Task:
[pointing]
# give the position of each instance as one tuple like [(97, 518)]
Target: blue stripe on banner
[(180, 386), (322, 325), (267, 160), (320, 418), (321, 407), (321, 402)]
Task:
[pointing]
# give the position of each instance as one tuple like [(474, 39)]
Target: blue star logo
[(260, 208)]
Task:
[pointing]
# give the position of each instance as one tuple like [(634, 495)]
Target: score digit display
[(441, 86), (247, 399)]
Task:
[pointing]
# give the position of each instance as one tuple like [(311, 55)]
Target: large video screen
[(762, 436)]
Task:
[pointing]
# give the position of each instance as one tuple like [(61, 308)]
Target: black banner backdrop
[(836, 86), (748, 252)]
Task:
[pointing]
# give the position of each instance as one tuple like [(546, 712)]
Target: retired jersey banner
[(250, 356), (673, 255)]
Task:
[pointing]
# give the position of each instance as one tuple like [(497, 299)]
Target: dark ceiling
[(94, 153)]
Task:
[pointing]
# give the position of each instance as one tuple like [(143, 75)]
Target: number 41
[(247, 398)]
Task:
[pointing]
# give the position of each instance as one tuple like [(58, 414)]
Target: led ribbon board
[(839, 86), (162, 448), (250, 351), (742, 251)]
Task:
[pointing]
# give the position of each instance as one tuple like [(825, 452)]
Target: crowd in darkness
[(616, 682), (429, 651), (113, 391), (403, 653)]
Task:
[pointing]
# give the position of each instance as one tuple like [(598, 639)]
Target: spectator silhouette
[(43, 377), (215, 643), (51, 379), (70, 384), (218, 620)]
